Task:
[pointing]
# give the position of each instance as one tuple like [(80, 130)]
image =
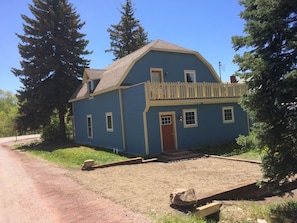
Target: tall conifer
[(269, 68), (128, 35), (52, 50)]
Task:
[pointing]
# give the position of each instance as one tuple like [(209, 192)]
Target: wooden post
[(208, 209)]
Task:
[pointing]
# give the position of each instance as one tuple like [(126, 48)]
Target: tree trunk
[(62, 128)]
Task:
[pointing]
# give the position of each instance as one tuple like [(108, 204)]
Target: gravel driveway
[(145, 188), (33, 190)]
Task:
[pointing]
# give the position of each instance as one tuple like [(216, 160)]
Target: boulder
[(183, 197), (88, 164)]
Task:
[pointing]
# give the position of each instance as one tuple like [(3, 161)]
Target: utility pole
[(220, 66)]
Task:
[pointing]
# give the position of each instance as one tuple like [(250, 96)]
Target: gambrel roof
[(113, 75)]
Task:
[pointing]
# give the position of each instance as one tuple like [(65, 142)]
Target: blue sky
[(203, 26)]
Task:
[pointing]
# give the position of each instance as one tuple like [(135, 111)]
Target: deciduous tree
[(8, 113)]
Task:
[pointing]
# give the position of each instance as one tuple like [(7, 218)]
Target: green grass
[(245, 210), (71, 155), (250, 155), (175, 218), (284, 212), (230, 149)]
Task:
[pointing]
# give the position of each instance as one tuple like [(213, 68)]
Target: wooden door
[(168, 133)]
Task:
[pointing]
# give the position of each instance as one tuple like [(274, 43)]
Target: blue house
[(159, 98)]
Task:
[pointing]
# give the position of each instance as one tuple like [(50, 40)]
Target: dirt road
[(33, 190)]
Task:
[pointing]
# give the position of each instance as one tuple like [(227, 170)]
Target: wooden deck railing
[(180, 90)]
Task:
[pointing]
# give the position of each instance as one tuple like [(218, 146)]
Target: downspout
[(122, 119), (147, 106)]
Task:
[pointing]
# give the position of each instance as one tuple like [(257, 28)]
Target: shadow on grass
[(226, 149), (47, 146)]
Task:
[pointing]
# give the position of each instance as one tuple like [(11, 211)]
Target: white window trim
[(184, 118), (190, 71), (90, 136), (159, 70), (232, 113), (109, 114)]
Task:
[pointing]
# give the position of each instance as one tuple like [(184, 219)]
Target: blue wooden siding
[(97, 107), (210, 131), (133, 107), (173, 65)]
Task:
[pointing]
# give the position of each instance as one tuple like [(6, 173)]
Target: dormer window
[(190, 76), (92, 85)]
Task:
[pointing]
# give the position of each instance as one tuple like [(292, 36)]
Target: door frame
[(174, 128)]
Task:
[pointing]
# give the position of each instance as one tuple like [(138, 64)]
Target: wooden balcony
[(182, 91)]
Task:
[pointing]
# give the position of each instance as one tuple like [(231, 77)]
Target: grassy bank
[(230, 149), (71, 155)]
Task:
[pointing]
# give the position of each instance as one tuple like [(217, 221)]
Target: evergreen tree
[(52, 49), (269, 67), (128, 35)]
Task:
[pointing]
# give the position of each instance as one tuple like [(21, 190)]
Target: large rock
[(183, 197)]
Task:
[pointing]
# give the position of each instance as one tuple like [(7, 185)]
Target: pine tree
[(128, 35), (52, 49), (269, 68)]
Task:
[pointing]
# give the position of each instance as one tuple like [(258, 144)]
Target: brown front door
[(168, 134)]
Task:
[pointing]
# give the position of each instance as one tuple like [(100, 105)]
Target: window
[(228, 114), (190, 76), (166, 120), (90, 86), (156, 75), (190, 118), (109, 122), (89, 126)]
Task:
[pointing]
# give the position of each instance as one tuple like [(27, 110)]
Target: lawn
[(72, 155), (231, 149)]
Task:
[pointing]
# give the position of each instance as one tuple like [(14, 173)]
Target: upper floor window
[(190, 76), (156, 75), (228, 114), (92, 85)]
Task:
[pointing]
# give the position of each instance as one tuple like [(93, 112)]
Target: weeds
[(284, 212), (175, 218)]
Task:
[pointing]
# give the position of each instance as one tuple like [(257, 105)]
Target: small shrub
[(247, 142), (51, 132)]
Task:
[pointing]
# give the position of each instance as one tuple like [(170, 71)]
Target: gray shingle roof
[(117, 71), (92, 74), (113, 75)]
